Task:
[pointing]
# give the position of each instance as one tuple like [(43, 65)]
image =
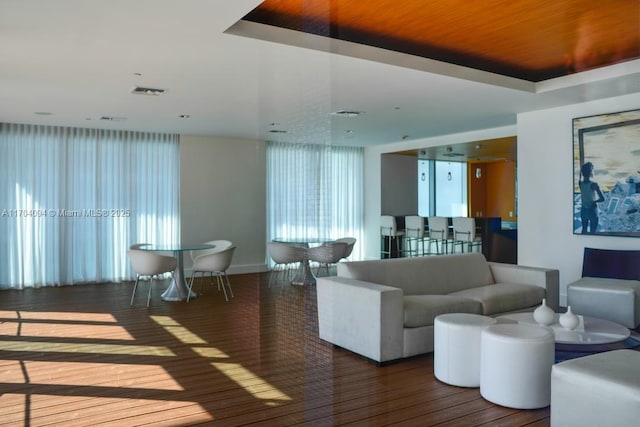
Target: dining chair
[(327, 254), (217, 264), (464, 234), (284, 255), (414, 232), (390, 233), (351, 241), (439, 234), (219, 246), (147, 264)]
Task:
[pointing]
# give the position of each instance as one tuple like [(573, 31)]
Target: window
[(73, 200), (442, 188), (314, 191)]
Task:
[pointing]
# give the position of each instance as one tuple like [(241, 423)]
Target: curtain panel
[(73, 200), (315, 191)]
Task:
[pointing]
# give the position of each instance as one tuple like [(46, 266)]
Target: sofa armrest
[(546, 278), (364, 317)]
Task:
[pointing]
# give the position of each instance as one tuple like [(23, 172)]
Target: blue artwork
[(606, 169)]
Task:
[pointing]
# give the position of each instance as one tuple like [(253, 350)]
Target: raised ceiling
[(74, 63), (532, 40)]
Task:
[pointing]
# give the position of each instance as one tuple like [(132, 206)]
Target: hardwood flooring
[(81, 356)]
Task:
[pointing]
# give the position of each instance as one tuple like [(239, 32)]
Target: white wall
[(545, 189), (222, 196)]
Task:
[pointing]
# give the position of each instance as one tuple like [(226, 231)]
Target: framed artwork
[(606, 174)]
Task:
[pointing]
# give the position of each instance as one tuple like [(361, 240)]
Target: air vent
[(113, 119), (138, 90), (277, 131), (346, 113), (453, 155)]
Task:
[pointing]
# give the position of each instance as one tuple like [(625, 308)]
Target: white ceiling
[(78, 60)]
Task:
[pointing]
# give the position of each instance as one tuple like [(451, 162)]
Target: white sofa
[(385, 309)]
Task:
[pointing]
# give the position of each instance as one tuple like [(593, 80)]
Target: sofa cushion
[(423, 275), (504, 297), (421, 310)]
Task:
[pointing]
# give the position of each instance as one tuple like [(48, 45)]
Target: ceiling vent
[(113, 119), (346, 113), (138, 90)]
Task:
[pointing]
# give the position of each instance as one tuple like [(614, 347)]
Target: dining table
[(177, 289), (304, 275)]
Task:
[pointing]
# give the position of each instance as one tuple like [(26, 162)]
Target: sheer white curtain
[(315, 191), (72, 200)]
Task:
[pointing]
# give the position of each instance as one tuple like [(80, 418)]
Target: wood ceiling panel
[(529, 39)]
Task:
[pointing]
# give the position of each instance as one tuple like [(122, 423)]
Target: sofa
[(384, 309), (610, 286)]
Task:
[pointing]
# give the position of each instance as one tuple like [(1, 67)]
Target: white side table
[(456, 348)]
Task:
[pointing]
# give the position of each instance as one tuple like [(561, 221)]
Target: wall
[(399, 185), (501, 190), (545, 189), (222, 196)]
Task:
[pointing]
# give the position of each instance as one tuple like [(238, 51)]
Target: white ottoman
[(456, 348), (598, 390), (515, 365)]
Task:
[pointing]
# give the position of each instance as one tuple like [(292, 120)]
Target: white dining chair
[(284, 255), (217, 264), (351, 241), (327, 254), (148, 264)]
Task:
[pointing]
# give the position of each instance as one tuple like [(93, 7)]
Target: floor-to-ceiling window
[(442, 188), (73, 200), (314, 191)]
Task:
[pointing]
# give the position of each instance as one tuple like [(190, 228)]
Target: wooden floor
[(80, 356)]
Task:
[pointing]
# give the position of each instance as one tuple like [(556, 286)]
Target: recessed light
[(184, 116)]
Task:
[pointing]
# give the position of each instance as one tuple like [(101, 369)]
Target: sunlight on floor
[(177, 330), (59, 347), (259, 388), (253, 384), (67, 373), (63, 330), (66, 315)]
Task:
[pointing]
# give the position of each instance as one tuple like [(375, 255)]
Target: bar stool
[(439, 233), (464, 233), (414, 232), (389, 233)]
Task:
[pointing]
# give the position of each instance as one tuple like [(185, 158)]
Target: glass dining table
[(178, 289), (304, 276)]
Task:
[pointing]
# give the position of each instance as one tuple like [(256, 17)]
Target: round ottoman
[(515, 365), (456, 348)]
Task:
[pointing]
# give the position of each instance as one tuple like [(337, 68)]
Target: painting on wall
[(606, 174)]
